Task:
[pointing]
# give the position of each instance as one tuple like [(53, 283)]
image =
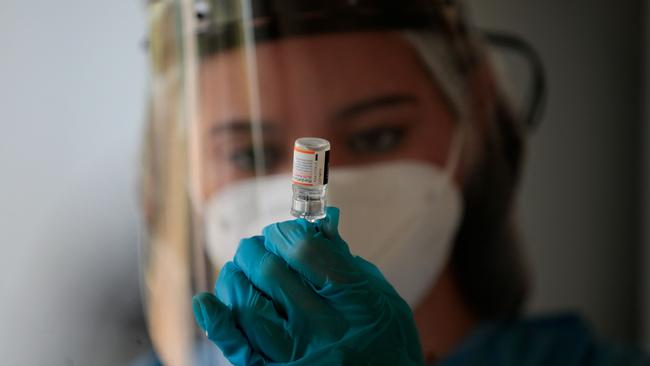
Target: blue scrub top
[(550, 340), (558, 340)]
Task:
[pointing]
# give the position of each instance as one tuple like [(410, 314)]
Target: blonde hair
[(486, 258)]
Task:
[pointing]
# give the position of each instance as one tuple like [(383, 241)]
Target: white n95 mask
[(402, 216)]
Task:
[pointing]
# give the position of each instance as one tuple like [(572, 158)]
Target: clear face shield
[(235, 83)]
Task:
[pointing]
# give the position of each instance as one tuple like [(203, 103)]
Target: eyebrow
[(367, 105), (239, 125)]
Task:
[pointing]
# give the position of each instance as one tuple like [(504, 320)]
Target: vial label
[(310, 168)]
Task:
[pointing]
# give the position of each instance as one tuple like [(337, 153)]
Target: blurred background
[(72, 86)]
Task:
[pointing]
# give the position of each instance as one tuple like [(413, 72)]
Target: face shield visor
[(235, 83)]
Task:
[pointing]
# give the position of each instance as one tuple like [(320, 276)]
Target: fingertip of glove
[(253, 239), (330, 224), (224, 281), (199, 302), (229, 269), (333, 212), (268, 229), (207, 310)]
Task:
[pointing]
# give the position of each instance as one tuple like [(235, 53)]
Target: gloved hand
[(296, 296)]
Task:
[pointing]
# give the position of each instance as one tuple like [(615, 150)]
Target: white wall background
[(580, 201), (71, 105)]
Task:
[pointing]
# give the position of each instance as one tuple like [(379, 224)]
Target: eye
[(377, 140), (244, 158)]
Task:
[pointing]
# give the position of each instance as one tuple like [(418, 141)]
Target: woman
[(422, 265)]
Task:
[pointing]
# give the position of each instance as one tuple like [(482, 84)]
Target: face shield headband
[(225, 24)]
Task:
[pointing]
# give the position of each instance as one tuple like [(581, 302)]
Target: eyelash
[(271, 158), (377, 140)]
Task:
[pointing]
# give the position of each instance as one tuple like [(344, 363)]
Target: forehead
[(330, 67)]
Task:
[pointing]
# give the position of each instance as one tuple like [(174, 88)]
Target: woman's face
[(367, 93)]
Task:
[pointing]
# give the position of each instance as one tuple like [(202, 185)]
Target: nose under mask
[(402, 216)]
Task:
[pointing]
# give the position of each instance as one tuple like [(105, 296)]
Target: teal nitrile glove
[(296, 296)]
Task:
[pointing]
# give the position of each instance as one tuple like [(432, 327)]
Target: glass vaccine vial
[(311, 157)]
